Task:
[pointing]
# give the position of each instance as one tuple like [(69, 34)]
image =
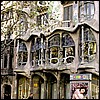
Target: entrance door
[(7, 92)]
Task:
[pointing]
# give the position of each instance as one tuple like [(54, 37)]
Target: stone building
[(56, 56)]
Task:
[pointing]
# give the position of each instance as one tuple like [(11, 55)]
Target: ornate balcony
[(58, 25)]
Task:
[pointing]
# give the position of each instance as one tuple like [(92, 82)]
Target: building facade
[(56, 56)]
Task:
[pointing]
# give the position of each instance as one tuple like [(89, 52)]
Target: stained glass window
[(54, 41), (89, 45), (68, 48), (53, 44)]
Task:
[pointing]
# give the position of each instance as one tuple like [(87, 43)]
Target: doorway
[(7, 92)]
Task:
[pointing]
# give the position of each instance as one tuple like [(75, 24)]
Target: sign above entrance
[(80, 77)]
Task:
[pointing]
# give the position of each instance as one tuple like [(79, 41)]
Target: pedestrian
[(30, 96)]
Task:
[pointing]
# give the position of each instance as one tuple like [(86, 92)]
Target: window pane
[(87, 10), (89, 46), (67, 40), (54, 41), (54, 52), (25, 57), (68, 13)]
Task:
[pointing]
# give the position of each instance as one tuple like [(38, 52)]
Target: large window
[(54, 44), (22, 54), (86, 9), (68, 48), (89, 46), (38, 51)]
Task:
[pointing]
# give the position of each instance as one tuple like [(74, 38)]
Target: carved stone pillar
[(82, 44), (42, 51), (47, 54), (45, 89), (58, 86), (31, 84)]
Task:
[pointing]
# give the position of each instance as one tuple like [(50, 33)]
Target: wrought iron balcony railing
[(58, 24)]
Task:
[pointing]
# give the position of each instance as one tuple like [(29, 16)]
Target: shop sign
[(80, 77)]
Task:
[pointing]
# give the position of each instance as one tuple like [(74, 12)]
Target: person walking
[(30, 96)]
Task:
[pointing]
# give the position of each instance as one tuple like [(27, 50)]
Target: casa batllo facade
[(56, 56)]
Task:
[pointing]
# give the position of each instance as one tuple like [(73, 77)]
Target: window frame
[(64, 14), (55, 43), (66, 47), (87, 49), (21, 54), (88, 15)]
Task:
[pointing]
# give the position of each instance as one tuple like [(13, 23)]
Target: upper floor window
[(89, 46), (42, 19), (68, 48), (68, 15), (54, 45), (86, 9), (23, 25), (22, 54), (68, 12)]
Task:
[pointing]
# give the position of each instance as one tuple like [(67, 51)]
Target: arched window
[(86, 9), (89, 46), (54, 44), (68, 48), (22, 54)]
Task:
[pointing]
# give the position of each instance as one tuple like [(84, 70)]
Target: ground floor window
[(23, 88), (95, 87)]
